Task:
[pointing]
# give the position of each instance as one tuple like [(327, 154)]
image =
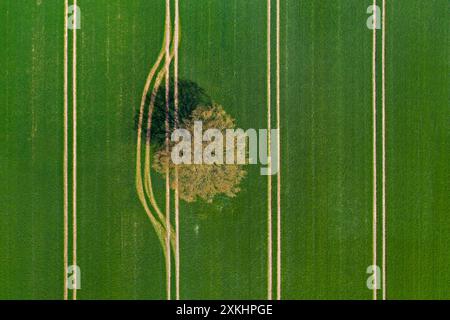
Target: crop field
[(355, 206)]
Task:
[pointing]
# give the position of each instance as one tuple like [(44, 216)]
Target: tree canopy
[(196, 181), (204, 181), (190, 96)]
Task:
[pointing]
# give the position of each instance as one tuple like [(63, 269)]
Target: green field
[(326, 149)]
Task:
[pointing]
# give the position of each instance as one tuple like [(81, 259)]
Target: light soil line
[(65, 158), (278, 157), (177, 199), (147, 172), (74, 164), (383, 138), (167, 68), (139, 184), (269, 155), (158, 224), (374, 147)]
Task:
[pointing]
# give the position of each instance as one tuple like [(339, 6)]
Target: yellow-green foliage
[(204, 181)]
